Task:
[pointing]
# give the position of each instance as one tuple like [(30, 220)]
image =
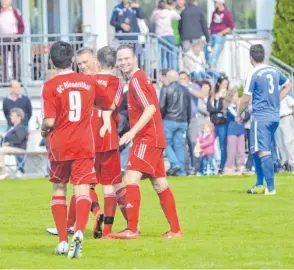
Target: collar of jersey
[(260, 67), (65, 72), (134, 73)]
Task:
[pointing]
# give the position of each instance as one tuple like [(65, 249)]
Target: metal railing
[(155, 53), (26, 57)]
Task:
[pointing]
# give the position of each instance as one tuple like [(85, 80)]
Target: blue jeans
[(221, 133), (168, 59), (206, 162), (175, 137), (217, 44)]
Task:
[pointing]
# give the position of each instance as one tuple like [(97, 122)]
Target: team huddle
[(80, 122)]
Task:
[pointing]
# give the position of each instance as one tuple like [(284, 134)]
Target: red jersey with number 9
[(69, 99), (114, 88)]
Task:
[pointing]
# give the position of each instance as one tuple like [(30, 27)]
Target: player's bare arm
[(244, 102), (285, 91), (47, 126), (106, 116), (148, 113)]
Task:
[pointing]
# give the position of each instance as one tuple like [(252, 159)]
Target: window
[(75, 16), (244, 13)]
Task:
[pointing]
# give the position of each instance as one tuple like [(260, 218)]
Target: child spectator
[(206, 141), (236, 137)]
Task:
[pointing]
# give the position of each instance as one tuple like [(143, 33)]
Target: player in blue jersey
[(266, 86)]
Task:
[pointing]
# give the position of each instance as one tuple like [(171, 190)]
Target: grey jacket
[(17, 136), (175, 103)]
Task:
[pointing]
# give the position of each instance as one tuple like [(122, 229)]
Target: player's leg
[(109, 208), (168, 205), (95, 206), (82, 176), (71, 216), (120, 191), (59, 176), (59, 213), (133, 201)]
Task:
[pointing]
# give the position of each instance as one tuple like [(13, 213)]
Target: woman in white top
[(162, 19)]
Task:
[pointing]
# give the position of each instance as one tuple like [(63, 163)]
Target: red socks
[(59, 212), (133, 200), (83, 206), (168, 206), (95, 202), (109, 212), (121, 201), (71, 218)]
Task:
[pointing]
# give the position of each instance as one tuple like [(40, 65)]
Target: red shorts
[(108, 169), (147, 160), (77, 172)]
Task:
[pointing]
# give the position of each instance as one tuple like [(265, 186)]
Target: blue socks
[(267, 165), (258, 170)]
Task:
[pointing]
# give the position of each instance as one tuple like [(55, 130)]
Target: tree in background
[(283, 46)]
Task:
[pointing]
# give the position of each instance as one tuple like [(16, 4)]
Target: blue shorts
[(262, 135)]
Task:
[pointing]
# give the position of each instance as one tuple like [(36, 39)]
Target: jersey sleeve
[(142, 92), (115, 91), (249, 84), (283, 80), (48, 102)]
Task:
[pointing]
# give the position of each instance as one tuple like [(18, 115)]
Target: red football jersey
[(69, 99), (114, 88), (141, 94)]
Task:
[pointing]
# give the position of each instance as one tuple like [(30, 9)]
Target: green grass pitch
[(223, 228)]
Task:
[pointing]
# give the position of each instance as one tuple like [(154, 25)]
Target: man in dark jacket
[(16, 100), (14, 141), (124, 19), (193, 25), (175, 107)]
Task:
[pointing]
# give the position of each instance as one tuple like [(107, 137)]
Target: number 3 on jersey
[(75, 106), (271, 83)]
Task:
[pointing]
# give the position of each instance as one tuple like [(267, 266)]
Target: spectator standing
[(175, 107), (217, 108), (206, 142), (162, 19), (16, 100), (14, 141), (125, 19), (179, 6), (192, 131), (193, 25), (249, 162), (222, 23), (11, 24), (236, 137), (286, 130)]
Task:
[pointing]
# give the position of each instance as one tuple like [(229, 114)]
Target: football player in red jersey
[(67, 106), (89, 66), (105, 125), (148, 143)]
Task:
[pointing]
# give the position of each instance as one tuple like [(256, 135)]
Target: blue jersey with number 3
[(264, 84)]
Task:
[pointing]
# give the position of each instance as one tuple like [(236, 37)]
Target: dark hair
[(163, 71), (257, 52), (161, 4), (184, 72), (201, 83), (219, 82), (107, 57), (170, 2), (61, 54), (126, 46)]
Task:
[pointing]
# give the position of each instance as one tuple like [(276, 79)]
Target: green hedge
[(283, 45)]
